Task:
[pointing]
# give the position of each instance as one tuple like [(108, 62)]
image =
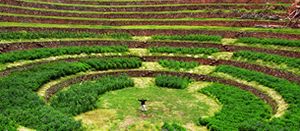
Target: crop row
[(19, 103), (269, 41), (23, 35), (232, 22), (172, 81), (132, 8), (125, 36), (289, 91), (183, 50), (8, 47), (148, 30), (47, 52), (218, 5), (177, 65), (248, 40), (192, 37), (292, 62), (142, 15), (275, 72), (82, 97), (239, 108)]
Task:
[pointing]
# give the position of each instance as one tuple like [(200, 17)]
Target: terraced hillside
[(201, 64)]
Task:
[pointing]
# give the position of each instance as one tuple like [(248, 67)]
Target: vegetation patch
[(292, 62), (24, 35), (82, 97), (47, 52), (289, 91), (172, 81), (237, 112), (269, 41), (183, 50), (177, 65), (192, 37)]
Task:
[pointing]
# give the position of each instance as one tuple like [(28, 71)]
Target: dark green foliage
[(59, 35), (269, 41), (172, 127), (83, 97), (20, 104), (172, 81), (172, 64), (6, 124), (183, 50), (47, 52), (113, 63), (292, 62), (288, 90), (192, 37), (32, 79), (203, 121), (239, 106)]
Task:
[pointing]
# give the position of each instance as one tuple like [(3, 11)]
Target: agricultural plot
[(85, 65)]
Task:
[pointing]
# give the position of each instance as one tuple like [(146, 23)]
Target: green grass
[(164, 105), (148, 27)]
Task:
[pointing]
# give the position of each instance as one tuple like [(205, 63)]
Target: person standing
[(143, 105)]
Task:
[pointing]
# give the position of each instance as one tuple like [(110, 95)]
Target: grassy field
[(60, 71)]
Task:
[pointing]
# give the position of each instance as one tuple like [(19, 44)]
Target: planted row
[(269, 41), (240, 108), (82, 97), (169, 81), (292, 62), (59, 35), (183, 50), (172, 64), (113, 63), (288, 90), (48, 52), (191, 37), (20, 104)]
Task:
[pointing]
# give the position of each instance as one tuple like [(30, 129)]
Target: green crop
[(172, 64), (249, 55), (172, 81), (47, 52), (239, 108), (59, 35), (183, 50), (82, 97), (269, 41), (192, 37), (289, 91)]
